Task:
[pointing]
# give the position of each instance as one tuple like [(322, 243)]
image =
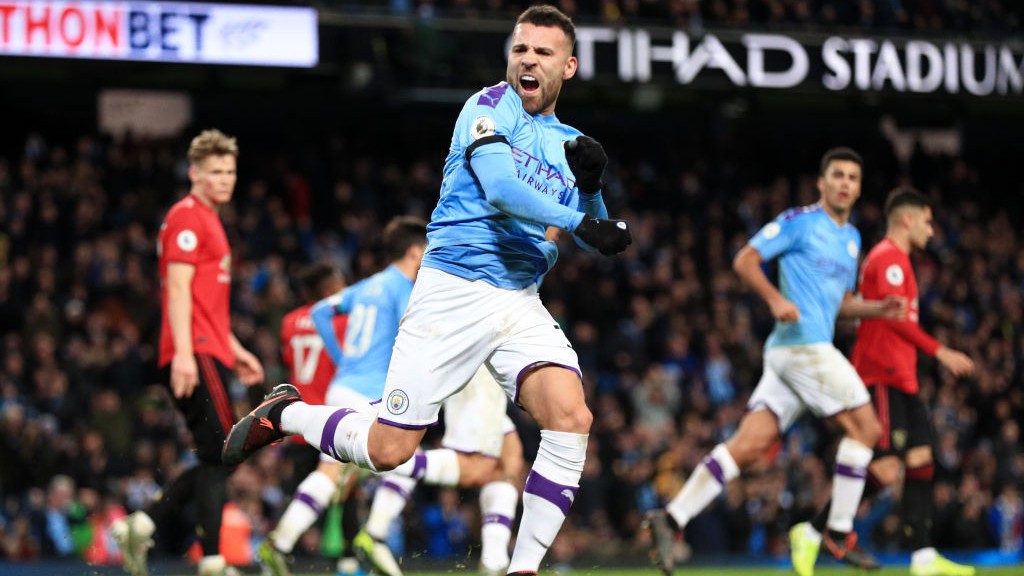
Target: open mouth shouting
[(529, 84)]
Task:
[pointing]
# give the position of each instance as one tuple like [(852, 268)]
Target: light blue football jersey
[(817, 261), (471, 238), (375, 307)]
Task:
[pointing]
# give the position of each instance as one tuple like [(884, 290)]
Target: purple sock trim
[(558, 494), (327, 438), (859, 472), (496, 519), (419, 465), (715, 468), (309, 501), (394, 488)]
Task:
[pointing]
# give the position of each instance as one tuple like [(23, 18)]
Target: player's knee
[(576, 419), (871, 432), (390, 456), (510, 472), (746, 450), (479, 472), (886, 473), (331, 470), (387, 461), (919, 457), (579, 420), (757, 434), (863, 427), (389, 446)]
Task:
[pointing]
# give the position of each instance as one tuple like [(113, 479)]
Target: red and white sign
[(187, 32)]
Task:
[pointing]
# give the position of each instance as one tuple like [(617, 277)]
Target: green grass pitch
[(720, 571)]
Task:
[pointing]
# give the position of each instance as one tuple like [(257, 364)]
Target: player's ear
[(570, 68), (907, 216)]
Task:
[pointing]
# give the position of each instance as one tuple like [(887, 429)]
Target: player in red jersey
[(302, 348), (197, 351), (885, 356)]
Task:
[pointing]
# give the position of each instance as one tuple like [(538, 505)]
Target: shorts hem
[(405, 425)]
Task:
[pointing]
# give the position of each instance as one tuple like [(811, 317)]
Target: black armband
[(482, 142)]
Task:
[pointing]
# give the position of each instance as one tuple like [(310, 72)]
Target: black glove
[(586, 160), (609, 236)]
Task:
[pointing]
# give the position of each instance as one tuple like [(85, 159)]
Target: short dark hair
[(401, 233), (839, 153), (905, 196), (313, 278), (545, 15)]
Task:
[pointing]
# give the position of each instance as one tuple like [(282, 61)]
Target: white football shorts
[(475, 420), (451, 328), (815, 377)]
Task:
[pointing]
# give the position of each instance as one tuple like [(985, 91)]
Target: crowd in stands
[(980, 17), (669, 341)]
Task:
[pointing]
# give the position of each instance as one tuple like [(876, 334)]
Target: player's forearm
[(912, 333), (503, 190), (854, 307), (322, 314), (179, 316), (593, 205), (235, 346)]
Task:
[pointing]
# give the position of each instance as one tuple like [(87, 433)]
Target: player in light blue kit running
[(513, 169), (374, 307), (817, 251)]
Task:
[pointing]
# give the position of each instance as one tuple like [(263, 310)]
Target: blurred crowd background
[(669, 340)]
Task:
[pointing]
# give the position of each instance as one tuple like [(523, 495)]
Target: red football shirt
[(193, 234), (303, 351), (886, 350)]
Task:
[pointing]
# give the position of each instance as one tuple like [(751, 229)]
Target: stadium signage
[(181, 32), (780, 61)]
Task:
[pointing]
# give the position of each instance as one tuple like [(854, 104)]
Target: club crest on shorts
[(899, 439), (398, 402)]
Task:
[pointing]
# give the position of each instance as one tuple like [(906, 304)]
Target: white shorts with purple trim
[(475, 421), (815, 377), (452, 327)]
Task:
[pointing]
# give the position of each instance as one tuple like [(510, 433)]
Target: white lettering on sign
[(779, 61)]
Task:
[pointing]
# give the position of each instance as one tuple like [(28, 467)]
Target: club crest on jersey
[(771, 230), (187, 240), (398, 402), (894, 275), (224, 276), (482, 126), (851, 247)]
